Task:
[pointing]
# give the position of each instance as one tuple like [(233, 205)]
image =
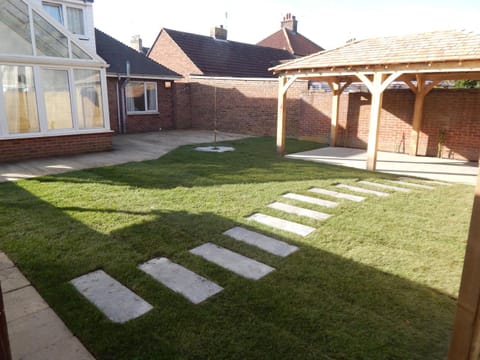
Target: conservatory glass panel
[(18, 89), (88, 92), (57, 99), (15, 28), (50, 41), (78, 53)]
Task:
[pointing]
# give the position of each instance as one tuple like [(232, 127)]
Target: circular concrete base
[(217, 149)]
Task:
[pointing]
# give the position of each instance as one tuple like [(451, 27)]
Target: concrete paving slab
[(311, 200), (418, 186), (383, 186), (181, 280), (5, 262), (23, 302), (70, 348), (12, 279), (290, 209), (239, 264), (35, 332), (280, 224), (338, 195), (112, 298), (266, 243), (433, 182), (362, 190)]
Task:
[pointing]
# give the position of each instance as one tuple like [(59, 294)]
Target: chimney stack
[(219, 33), (136, 43), (290, 22)]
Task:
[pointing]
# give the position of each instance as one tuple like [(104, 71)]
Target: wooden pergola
[(421, 61)]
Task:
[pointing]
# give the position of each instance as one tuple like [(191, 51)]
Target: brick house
[(54, 89), (214, 56), (140, 91), (288, 38)]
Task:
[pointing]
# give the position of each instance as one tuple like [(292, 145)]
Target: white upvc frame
[(63, 8), (146, 112), (41, 109)]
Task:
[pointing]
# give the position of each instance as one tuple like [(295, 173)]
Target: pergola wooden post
[(377, 87), (465, 341), (420, 91), (337, 90), (283, 84)]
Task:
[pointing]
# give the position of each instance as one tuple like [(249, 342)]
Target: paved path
[(126, 148)]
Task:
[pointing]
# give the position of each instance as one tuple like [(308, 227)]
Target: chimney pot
[(290, 22)]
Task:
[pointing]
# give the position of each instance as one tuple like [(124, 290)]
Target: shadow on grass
[(253, 161), (315, 305)]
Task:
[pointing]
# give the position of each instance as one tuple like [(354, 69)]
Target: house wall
[(166, 52), (145, 122), (250, 107), (20, 149)]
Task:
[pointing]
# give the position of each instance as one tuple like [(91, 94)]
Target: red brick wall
[(250, 107), (20, 149), (147, 122), (182, 106)]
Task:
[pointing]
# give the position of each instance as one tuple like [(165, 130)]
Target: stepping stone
[(285, 225), (434, 182), (338, 195), (266, 243), (317, 215), (383, 186), (181, 280), (419, 186), (116, 301), (239, 264), (311, 200), (362, 190)]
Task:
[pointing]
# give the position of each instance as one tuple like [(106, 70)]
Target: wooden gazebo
[(421, 61)]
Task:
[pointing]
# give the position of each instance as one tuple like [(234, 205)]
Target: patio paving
[(126, 148), (450, 170)]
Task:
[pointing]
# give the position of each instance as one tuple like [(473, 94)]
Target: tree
[(467, 84)]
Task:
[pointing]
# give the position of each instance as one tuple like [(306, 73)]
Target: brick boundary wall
[(30, 148), (250, 107)]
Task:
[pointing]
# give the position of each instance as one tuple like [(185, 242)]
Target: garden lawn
[(376, 281)]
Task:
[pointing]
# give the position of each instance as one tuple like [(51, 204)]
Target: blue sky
[(329, 23)]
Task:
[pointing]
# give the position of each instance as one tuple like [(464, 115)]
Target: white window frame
[(41, 109), (146, 112), (65, 16)]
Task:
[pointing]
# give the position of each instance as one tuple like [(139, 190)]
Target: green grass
[(377, 281)]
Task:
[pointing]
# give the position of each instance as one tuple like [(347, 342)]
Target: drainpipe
[(123, 98), (119, 106)]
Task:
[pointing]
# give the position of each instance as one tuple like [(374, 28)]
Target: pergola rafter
[(421, 61)]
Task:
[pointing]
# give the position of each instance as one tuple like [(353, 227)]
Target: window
[(50, 41), (56, 92), (15, 28), (71, 17), (88, 93), (141, 97), (20, 99)]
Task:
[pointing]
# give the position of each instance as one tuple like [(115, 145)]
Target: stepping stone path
[(383, 186), (312, 214), (362, 190), (338, 195), (120, 304), (419, 186), (116, 301), (239, 264), (311, 200), (433, 182), (280, 224), (181, 280), (266, 243)]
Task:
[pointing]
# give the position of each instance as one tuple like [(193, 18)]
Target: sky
[(329, 23)]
